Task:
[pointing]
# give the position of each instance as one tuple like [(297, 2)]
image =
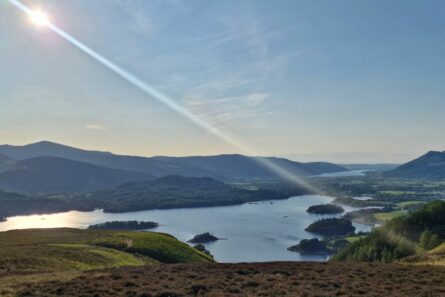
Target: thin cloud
[(95, 127), (257, 98), (141, 22), (221, 111)]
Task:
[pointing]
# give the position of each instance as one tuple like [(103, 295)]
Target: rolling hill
[(161, 193), (429, 166), (221, 167), (175, 191), (240, 166), (4, 159), (5, 162), (105, 159), (57, 175)]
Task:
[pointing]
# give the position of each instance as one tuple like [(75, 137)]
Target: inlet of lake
[(253, 232)]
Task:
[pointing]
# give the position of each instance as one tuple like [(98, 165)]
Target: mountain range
[(58, 175), (47, 167), (429, 166)]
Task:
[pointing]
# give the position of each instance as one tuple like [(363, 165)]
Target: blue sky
[(344, 81)]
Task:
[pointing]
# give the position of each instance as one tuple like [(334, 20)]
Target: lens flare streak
[(163, 98)]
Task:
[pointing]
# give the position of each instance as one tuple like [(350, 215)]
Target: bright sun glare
[(39, 18)]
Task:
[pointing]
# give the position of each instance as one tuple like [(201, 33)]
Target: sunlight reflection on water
[(258, 231)]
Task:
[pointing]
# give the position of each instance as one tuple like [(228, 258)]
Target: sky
[(347, 81)]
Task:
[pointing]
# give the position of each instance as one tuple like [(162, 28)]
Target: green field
[(57, 254), (352, 239), (386, 216), (406, 204)]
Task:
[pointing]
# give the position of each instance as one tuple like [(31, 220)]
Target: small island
[(124, 225), (331, 227), (325, 209), (203, 238), (310, 247)]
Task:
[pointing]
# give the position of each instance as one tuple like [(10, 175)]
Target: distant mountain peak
[(429, 165)]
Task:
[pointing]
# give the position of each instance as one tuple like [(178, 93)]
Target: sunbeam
[(163, 98)]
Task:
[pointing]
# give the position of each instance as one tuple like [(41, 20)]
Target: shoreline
[(5, 219)]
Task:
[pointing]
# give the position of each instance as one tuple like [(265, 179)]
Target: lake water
[(255, 232), (345, 173)]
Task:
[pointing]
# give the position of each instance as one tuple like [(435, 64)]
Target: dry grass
[(256, 279), (34, 256), (435, 257)]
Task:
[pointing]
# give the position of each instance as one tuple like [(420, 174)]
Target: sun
[(39, 18)]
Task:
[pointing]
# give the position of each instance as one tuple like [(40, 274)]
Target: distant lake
[(345, 173), (255, 232)]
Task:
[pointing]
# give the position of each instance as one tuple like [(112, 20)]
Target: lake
[(255, 232), (358, 172)]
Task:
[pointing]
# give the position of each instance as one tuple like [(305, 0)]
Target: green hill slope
[(404, 236), (35, 255), (435, 256)]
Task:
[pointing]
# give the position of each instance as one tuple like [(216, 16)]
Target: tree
[(428, 240)]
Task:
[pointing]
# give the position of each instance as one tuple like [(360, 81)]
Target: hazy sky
[(344, 81)]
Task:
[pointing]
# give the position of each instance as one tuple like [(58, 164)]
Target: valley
[(329, 217)]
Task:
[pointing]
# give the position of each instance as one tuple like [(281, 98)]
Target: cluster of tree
[(200, 247), (374, 247), (311, 246), (331, 227), (429, 240), (203, 238), (325, 209), (124, 225), (421, 230)]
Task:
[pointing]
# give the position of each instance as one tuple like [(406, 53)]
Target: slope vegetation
[(418, 232), (36, 255), (435, 257), (290, 279)]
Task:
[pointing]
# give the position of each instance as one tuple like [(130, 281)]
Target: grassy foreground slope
[(292, 279), (435, 257), (36, 255)]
